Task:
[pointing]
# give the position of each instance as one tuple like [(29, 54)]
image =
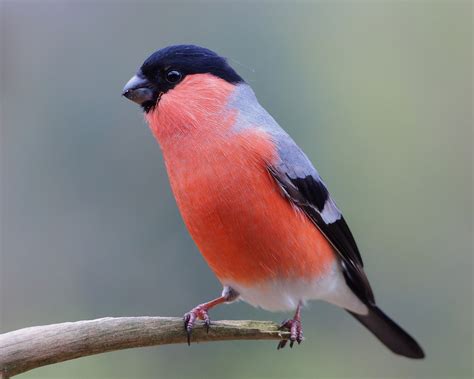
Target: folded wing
[(301, 184)]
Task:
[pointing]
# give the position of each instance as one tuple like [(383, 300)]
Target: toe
[(189, 319), (299, 334), (285, 325), (197, 313), (207, 322), (299, 337), (296, 333), (282, 344)]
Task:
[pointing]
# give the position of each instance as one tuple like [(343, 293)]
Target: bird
[(254, 204)]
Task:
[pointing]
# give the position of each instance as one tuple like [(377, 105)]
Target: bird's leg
[(295, 328), (200, 312)]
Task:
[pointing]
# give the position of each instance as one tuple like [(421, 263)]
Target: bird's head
[(179, 68)]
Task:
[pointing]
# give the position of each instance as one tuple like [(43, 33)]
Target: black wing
[(302, 185)]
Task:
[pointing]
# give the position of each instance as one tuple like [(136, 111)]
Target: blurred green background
[(378, 93)]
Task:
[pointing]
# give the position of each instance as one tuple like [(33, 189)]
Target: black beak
[(138, 90)]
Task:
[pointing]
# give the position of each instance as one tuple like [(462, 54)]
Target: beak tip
[(138, 90)]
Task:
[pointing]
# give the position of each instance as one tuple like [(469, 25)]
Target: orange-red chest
[(245, 229)]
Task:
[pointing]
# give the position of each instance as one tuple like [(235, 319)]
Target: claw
[(281, 344), (197, 313), (189, 319), (285, 325), (296, 332), (205, 317)]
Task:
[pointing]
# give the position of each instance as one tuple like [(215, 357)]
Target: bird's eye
[(173, 76)]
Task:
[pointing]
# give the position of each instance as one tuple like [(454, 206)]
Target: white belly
[(284, 294)]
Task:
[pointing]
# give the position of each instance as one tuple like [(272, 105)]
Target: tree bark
[(29, 348)]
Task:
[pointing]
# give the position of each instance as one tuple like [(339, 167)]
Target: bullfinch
[(251, 199)]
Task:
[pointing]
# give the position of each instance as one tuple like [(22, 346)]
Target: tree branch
[(29, 348)]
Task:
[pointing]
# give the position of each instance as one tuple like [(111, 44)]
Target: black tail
[(389, 333)]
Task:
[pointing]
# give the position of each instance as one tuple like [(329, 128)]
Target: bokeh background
[(378, 93)]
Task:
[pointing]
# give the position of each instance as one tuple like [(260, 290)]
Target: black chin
[(149, 105)]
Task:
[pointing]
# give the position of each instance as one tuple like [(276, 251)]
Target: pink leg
[(200, 312), (296, 330)]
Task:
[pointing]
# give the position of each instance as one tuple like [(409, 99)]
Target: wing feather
[(305, 189)]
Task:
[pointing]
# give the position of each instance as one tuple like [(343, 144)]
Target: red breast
[(245, 229)]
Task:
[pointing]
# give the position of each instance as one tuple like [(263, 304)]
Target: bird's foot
[(200, 312), (296, 332), (197, 313)]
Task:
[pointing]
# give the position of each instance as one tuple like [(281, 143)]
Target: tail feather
[(389, 333)]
